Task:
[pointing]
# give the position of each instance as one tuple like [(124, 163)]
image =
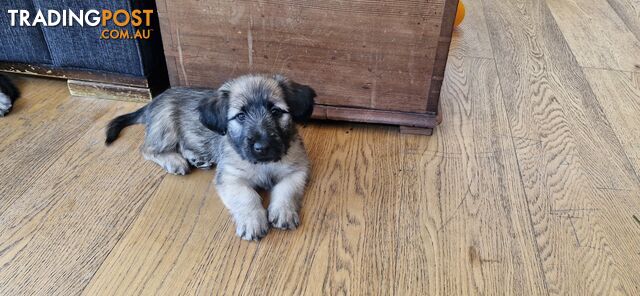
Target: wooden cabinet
[(369, 61)]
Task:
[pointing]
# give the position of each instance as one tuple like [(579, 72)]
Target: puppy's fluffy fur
[(246, 128), (8, 94)]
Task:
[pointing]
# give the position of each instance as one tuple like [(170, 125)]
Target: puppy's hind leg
[(172, 162), (162, 140)]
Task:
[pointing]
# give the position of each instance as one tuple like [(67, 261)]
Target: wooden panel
[(372, 54), (580, 186), (108, 91), (596, 34)]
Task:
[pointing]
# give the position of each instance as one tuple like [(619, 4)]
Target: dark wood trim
[(87, 75), (98, 84), (421, 120)]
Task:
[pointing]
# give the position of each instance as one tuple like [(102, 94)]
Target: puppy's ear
[(213, 112), (299, 98)]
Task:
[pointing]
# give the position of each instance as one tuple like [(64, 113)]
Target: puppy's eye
[(241, 117), (276, 112)]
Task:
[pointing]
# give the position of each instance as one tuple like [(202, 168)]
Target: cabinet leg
[(425, 131)]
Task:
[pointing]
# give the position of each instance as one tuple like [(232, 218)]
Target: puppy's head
[(258, 114)]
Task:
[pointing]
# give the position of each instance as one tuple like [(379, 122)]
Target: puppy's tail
[(8, 88), (120, 122)]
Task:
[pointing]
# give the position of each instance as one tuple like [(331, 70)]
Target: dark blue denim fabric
[(69, 47), (21, 44), (81, 47)]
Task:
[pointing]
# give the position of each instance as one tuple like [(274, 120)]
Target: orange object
[(459, 14)]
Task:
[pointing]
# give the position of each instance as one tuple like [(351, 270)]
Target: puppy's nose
[(260, 148)]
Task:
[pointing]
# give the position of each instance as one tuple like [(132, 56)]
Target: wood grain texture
[(596, 34), (473, 234), (57, 232), (42, 126), (175, 237), (368, 54), (579, 184), (629, 12), (471, 38), (619, 95), (183, 241)]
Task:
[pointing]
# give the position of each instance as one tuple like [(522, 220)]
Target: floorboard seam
[(612, 70), (515, 153), (45, 170), (126, 230)]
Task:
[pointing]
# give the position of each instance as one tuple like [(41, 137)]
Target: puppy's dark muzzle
[(266, 150), (261, 148)]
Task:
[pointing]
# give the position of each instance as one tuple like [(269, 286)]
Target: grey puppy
[(247, 129)]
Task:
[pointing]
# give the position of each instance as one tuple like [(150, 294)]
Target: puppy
[(8, 94), (247, 129)]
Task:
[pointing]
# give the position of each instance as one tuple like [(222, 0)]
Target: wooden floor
[(530, 186)]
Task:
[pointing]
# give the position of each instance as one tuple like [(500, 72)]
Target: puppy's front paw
[(252, 225), (284, 217)]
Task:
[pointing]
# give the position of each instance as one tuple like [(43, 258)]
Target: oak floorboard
[(184, 239), (580, 186), (596, 34), (629, 12), (619, 95), (56, 234), (473, 234), (183, 230), (44, 123)]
